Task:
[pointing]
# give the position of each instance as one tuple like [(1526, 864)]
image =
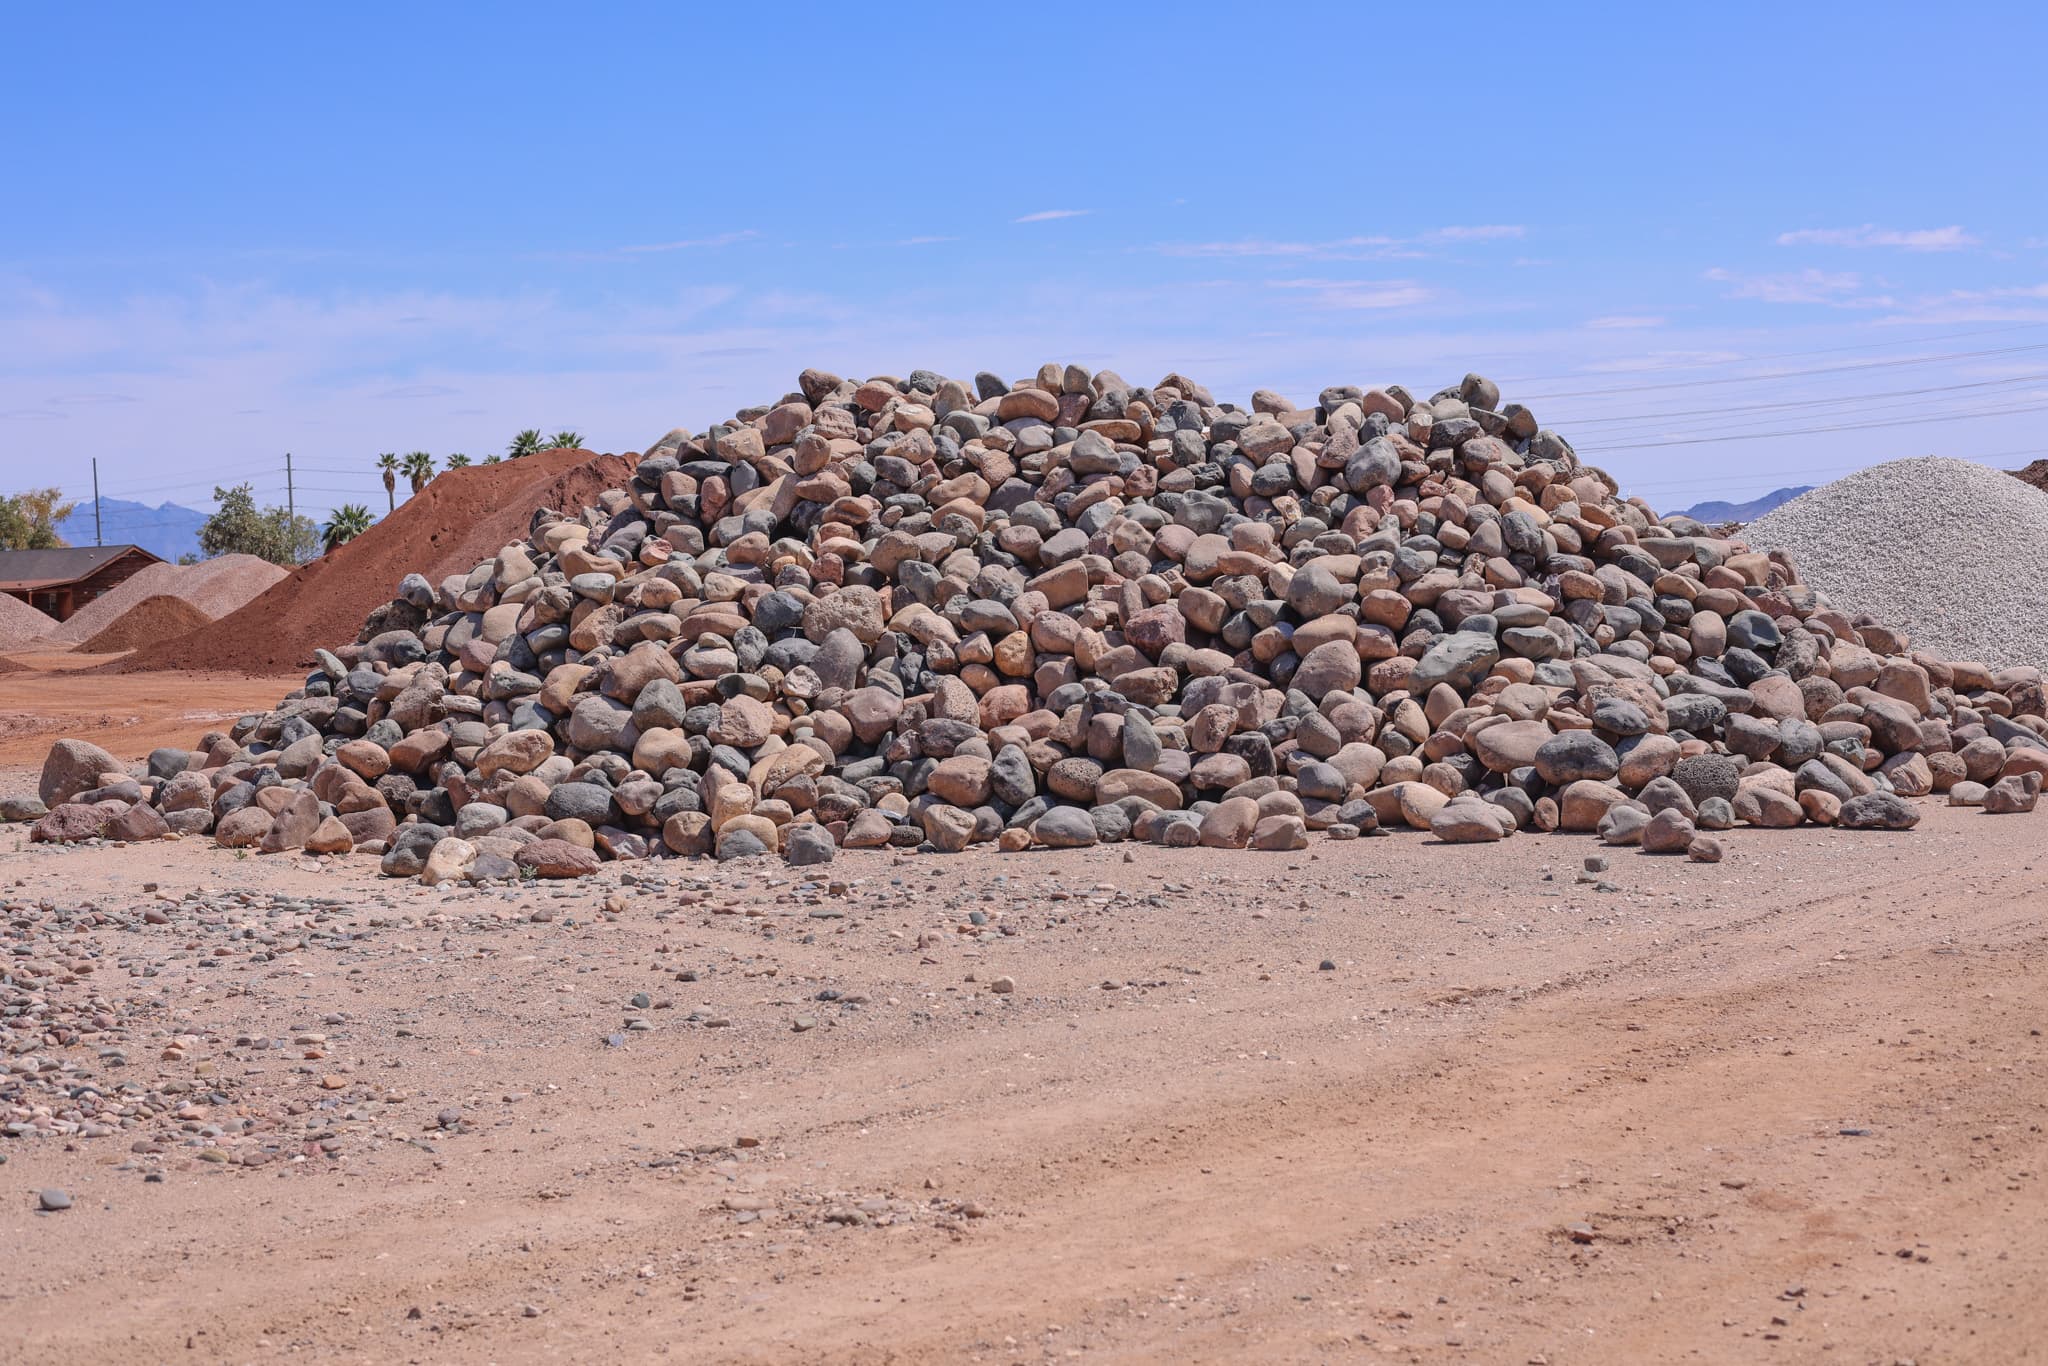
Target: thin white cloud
[(1342, 249), (1834, 289), (1486, 232), (1048, 215), (1951, 238), (923, 241), (724, 239), (2009, 292), (1362, 248), (2012, 303), (1619, 321), (1358, 294)]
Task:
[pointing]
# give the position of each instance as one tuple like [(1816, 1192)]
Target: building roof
[(21, 570)]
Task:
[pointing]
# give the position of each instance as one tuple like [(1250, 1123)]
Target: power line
[(1772, 378), (1583, 422), (1814, 431), (1761, 425), (1793, 355)]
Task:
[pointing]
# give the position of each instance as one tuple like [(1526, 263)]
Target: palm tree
[(388, 463), (494, 459), (419, 468), (526, 443), (349, 521), (565, 441), (458, 461)]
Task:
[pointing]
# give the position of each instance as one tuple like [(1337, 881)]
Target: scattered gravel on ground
[(1948, 549)]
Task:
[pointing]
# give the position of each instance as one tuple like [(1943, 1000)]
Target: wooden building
[(59, 582)]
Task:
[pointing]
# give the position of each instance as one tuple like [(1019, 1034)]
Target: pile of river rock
[(1068, 610)]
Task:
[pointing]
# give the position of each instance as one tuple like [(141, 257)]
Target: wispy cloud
[(923, 241), (1834, 289), (94, 400), (724, 239), (1951, 238), (1048, 215), (1619, 321), (1363, 248), (1358, 294), (2011, 303), (1485, 232), (1342, 249)]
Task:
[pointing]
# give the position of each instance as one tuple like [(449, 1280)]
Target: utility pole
[(291, 507), (96, 537)]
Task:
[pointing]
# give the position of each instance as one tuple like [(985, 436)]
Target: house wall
[(61, 600)]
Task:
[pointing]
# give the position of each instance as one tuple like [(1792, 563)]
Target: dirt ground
[(1376, 1100), (126, 714)]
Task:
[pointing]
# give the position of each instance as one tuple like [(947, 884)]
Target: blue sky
[(237, 232)]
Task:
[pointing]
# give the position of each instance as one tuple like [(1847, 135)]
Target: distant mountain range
[(167, 531), (1717, 511)]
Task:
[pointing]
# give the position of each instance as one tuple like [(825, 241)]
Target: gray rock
[(1708, 775), (807, 844), (1878, 811), (1064, 827), (1460, 659), (1572, 755)]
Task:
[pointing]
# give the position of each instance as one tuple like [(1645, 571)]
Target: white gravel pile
[(1954, 552)]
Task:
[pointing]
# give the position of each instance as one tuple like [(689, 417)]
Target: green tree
[(526, 443), (565, 441), (239, 527), (419, 468), (494, 460), (349, 521), (387, 463), (28, 520), (458, 461)]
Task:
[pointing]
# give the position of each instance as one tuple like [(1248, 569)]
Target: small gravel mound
[(153, 619), (1949, 550), (213, 588)]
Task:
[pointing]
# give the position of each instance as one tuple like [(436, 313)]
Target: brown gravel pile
[(21, 623), (2035, 474), (163, 617), (212, 587)]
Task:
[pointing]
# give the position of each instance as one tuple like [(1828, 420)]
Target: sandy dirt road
[(1788, 1107)]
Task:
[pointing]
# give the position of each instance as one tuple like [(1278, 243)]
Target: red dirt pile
[(460, 519), (163, 617), (2035, 474)]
